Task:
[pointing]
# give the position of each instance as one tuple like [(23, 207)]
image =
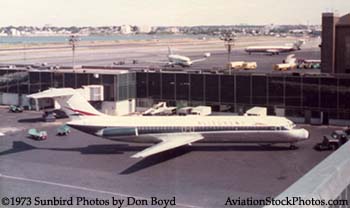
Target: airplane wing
[(168, 142), (157, 62), (273, 51), (206, 55), (198, 60)]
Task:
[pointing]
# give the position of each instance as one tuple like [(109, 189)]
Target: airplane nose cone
[(306, 134)]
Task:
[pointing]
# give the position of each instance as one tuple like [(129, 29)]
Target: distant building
[(143, 29), (173, 30), (125, 29), (335, 52), (3, 34), (167, 30), (14, 32)]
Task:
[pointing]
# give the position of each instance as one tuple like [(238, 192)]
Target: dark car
[(16, 109), (334, 141), (49, 116)]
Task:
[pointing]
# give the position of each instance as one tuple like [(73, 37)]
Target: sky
[(166, 12)]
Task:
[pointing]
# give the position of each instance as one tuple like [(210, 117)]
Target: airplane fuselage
[(214, 129), (170, 132), (269, 49), (183, 61)]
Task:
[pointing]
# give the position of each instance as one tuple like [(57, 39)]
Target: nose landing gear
[(292, 146)]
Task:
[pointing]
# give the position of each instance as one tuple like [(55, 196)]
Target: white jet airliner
[(275, 50), (181, 60), (173, 131)]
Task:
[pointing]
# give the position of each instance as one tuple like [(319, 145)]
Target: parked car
[(49, 116), (16, 109), (63, 130), (334, 141)]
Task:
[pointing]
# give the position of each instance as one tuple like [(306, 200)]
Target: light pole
[(24, 51), (73, 39), (229, 38)]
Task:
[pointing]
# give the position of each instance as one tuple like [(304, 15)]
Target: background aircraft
[(180, 60), (275, 50)]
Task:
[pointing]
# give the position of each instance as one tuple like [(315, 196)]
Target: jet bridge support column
[(34, 104)]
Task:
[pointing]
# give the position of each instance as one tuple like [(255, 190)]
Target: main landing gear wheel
[(265, 145), (293, 147)]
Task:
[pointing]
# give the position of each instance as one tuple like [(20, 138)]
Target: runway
[(154, 53), (81, 165)]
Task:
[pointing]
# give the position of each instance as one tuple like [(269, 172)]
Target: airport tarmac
[(150, 53), (81, 165)]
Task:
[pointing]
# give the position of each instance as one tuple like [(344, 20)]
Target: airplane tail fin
[(70, 100), (297, 45), (290, 59)]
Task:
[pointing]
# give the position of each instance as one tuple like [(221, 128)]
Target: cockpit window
[(291, 125)]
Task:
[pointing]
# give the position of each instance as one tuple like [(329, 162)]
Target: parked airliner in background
[(180, 60), (173, 131), (275, 50)]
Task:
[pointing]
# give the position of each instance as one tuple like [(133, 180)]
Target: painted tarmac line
[(81, 188)]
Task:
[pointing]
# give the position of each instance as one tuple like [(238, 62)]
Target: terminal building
[(304, 98), (307, 98), (114, 94), (335, 53)]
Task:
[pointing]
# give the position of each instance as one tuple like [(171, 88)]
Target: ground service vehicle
[(335, 140), (242, 65), (36, 134), (288, 64), (63, 130), (309, 64), (284, 67), (15, 109)]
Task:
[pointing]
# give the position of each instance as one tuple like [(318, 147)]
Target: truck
[(309, 64), (284, 67), (334, 140), (288, 64), (199, 110), (242, 65)]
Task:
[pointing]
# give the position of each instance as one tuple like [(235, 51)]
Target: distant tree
[(73, 29)]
